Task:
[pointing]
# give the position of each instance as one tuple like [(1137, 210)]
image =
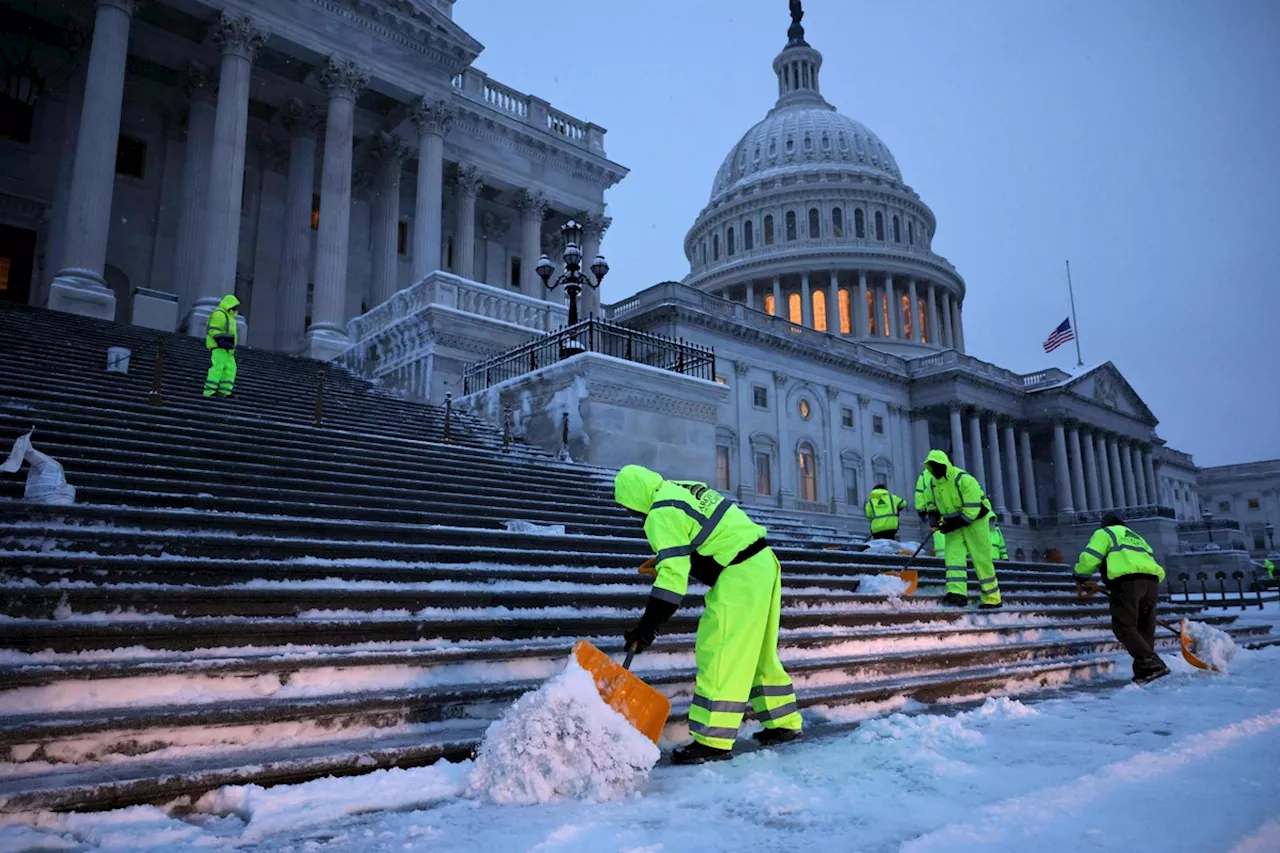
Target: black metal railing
[(1212, 524), (1128, 513), (598, 336)]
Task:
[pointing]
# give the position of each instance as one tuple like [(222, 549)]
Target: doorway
[(17, 256)]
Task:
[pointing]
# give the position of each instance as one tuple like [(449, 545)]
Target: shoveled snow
[(521, 526), (1211, 645), (886, 584), (891, 546)]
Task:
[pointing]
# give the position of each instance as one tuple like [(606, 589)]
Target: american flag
[(1059, 336)]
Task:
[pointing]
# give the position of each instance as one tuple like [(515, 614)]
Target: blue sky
[(1140, 139)]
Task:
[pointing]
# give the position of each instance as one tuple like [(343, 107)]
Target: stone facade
[(1249, 495), (312, 156)]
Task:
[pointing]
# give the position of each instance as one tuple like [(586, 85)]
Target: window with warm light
[(720, 380), (722, 467), (764, 483), (871, 312), (808, 473), (884, 311), (846, 321), (924, 326), (819, 298), (5, 266), (794, 311), (908, 319), (315, 212), (804, 409), (769, 304)]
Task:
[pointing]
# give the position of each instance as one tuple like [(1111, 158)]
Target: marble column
[(977, 466), (997, 469), (947, 337), (1091, 472), (79, 287), (467, 183), (1104, 472), (932, 330), (959, 334), (914, 296), (239, 42), (594, 226), (432, 119), (749, 296), (806, 302), (1149, 471), (1117, 474), (957, 439), (1077, 470), (327, 336), (303, 121), (1130, 481), (1060, 468), (201, 87), (881, 305), (532, 205), (834, 318), (1139, 476), (69, 132), (389, 153), (860, 307), (1029, 498), (893, 309), (779, 309), (1011, 460)]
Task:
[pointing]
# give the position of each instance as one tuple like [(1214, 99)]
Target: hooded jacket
[(685, 522), (956, 495), (1117, 551), (882, 510), (222, 322)]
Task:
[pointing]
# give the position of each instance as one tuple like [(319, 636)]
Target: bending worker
[(955, 499), (882, 510), (1132, 575), (220, 339), (696, 531)]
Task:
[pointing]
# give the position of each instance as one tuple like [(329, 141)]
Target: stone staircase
[(242, 596)]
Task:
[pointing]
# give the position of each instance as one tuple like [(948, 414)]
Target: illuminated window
[(907, 316), (871, 312), (315, 211), (879, 225), (791, 225), (859, 224), (884, 311), (846, 322), (804, 409), (820, 310), (5, 264), (815, 224), (1254, 503), (769, 304), (794, 313), (722, 467), (924, 326), (768, 230), (837, 222), (808, 473)]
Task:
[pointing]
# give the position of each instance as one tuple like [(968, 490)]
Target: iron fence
[(598, 336)]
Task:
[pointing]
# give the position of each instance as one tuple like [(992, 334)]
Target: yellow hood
[(938, 456), (228, 302), (634, 488)]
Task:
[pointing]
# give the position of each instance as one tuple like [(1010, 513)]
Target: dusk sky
[(1140, 139)]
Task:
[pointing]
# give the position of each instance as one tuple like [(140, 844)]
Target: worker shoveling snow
[(1210, 645), (561, 741)]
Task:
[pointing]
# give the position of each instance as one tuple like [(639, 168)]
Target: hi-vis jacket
[(221, 322), (882, 510), (957, 495), (922, 492), (684, 521), (1119, 552), (999, 549)]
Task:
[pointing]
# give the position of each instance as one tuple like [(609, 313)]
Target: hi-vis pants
[(222, 372), (737, 654), (972, 541)]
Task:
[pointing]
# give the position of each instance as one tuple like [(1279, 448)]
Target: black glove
[(224, 341), (924, 516), (935, 518), (950, 525), (640, 638), (656, 612)]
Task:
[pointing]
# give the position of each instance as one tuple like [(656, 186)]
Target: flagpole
[(1074, 324)]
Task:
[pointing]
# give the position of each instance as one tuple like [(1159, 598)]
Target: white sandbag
[(46, 480)]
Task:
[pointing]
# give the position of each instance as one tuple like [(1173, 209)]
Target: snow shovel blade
[(910, 577), (1187, 654), (624, 692)]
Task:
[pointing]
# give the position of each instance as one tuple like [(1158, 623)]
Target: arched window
[(729, 247), (808, 464), (815, 224), (897, 233), (715, 247), (808, 142), (859, 224), (826, 141), (793, 309), (755, 158), (769, 304), (768, 230), (773, 147), (844, 141), (846, 322), (791, 225), (819, 299), (879, 225), (911, 232), (837, 222), (791, 144), (748, 236), (921, 311)]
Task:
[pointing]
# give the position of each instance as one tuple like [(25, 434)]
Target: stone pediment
[(425, 14), (1106, 386)]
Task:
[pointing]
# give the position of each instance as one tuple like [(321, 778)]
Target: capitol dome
[(809, 220)]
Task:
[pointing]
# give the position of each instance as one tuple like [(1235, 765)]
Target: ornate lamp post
[(1271, 535), (572, 278), (1208, 524)]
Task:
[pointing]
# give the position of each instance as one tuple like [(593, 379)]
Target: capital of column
[(956, 408), (274, 154), (832, 392), (864, 401), (741, 368), (594, 226), (363, 183), (126, 6), (532, 204), (432, 116), (781, 379), (342, 78), (237, 36), (201, 83), (388, 150), (468, 181), (493, 226), (302, 119)]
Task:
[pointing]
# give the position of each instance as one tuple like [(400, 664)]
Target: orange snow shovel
[(910, 576), (623, 691), (1087, 591)]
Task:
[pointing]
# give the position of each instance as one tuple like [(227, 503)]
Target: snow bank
[(890, 585), (1212, 646), (561, 741), (890, 546), (520, 526)]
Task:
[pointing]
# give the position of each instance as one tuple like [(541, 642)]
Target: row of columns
[(1010, 483), (208, 229), (1097, 470), (940, 310)]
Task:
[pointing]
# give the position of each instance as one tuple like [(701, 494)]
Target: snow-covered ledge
[(620, 412)]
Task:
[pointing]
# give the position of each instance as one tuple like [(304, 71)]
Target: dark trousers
[(1133, 613), (885, 534)]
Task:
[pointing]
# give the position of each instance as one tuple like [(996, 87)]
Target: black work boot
[(996, 606), (955, 599), (699, 753), (1149, 669), (769, 737)]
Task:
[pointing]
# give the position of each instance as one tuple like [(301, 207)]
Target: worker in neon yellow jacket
[(957, 500), (220, 339), (697, 532)]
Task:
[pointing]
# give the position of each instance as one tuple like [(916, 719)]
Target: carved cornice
[(432, 116), (342, 78), (237, 36), (400, 22), (663, 404)]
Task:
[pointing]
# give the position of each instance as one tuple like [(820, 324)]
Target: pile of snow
[(521, 526), (891, 546), (1212, 646), (561, 741), (886, 584)]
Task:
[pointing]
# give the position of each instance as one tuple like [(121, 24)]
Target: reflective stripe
[(709, 524), (666, 595), (774, 690), (712, 731), (688, 510), (1111, 533), (1134, 548), (677, 551), (776, 713), (956, 514), (990, 586), (1094, 553), (720, 706), (971, 506)]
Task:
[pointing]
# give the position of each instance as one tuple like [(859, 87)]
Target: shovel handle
[(631, 653), (1089, 590)]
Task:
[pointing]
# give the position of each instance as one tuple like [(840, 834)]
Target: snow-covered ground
[(1185, 764)]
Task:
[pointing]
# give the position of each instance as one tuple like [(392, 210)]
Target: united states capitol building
[(372, 196)]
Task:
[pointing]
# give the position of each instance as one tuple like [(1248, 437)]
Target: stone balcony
[(533, 111)]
